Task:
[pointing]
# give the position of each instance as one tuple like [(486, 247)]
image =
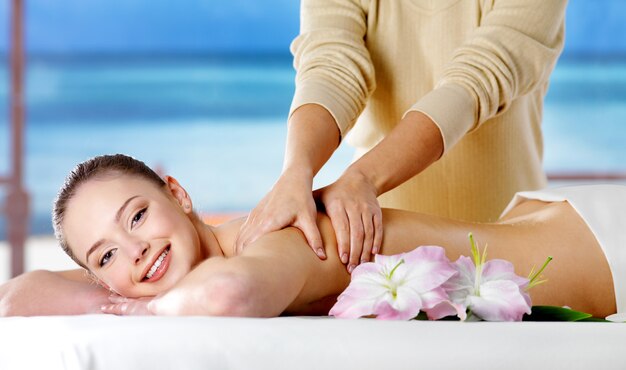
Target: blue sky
[(236, 26), (158, 25)]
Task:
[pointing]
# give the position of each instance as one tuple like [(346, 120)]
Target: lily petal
[(403, 307), (432, 298), (499, 300), (461, 285), (427, 268), (351, 308), (368, 268), (446, 308), (498, 269)]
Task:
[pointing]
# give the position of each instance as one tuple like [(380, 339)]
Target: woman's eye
[(107, 257), (137, 217)]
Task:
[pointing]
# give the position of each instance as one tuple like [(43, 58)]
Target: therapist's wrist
[(357, 175), (298, 173)]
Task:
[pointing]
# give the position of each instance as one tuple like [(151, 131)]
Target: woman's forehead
[(112, 188), (97, 202)]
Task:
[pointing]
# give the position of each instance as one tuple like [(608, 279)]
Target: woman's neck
[(217, 240)]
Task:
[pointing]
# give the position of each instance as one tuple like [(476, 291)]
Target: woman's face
[(136, 238)]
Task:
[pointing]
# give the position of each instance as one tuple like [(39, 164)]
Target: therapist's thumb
[(312, 234)]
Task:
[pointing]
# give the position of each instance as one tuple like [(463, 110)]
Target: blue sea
[(218, 124)]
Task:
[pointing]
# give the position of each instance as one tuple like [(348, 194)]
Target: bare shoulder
[(227, 232), (233, 224)]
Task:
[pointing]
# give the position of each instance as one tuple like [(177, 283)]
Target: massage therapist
[(441, 99)]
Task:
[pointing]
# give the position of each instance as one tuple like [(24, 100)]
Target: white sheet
[(109, 342)]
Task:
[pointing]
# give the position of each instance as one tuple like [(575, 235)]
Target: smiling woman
[(100, 219), (138, 237)]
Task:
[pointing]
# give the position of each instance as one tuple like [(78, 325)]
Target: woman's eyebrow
[(93, 248), (118, 215)]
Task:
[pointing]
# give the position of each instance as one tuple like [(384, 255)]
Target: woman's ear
[(179, 193)]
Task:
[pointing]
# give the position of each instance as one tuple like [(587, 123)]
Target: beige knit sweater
[(478, 68)]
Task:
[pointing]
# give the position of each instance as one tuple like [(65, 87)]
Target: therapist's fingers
[(254, 227), (288, 202), (378, 232), (244, 233), (372, 234), (368, 237), (339, 220), (308, 225), (356, 239)]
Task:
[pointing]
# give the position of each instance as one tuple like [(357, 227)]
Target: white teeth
[(157, 263)]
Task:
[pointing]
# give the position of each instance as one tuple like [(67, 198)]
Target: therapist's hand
[(356, 217), (289, 203)]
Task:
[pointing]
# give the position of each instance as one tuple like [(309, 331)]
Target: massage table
[(142, 342)]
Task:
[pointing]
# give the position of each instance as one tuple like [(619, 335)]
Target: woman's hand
[(290, 202), (128, 306), (356, 216)]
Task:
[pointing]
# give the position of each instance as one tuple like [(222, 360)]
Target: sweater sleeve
[(511, 53), (333, 65)]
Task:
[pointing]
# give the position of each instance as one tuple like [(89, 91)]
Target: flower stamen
[(394, 268), (533, 277), (479, 261)]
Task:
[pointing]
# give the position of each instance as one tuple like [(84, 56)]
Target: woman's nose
[(139, 251), (144, 251)]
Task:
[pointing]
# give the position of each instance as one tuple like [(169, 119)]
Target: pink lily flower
[(490, 290), (398, 287)]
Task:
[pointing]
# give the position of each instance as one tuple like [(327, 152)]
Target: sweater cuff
[(325, 94), (452, 108)]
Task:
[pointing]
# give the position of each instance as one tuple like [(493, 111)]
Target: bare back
[(579, 275)]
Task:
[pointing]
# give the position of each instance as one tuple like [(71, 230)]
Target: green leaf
[(554, 313), (594, 319), (421, 316)]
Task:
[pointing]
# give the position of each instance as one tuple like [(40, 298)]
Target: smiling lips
[(159, 267)]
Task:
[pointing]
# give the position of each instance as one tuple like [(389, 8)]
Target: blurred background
[(202, 88)]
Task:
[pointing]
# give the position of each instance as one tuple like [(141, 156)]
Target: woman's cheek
[(118, 279)]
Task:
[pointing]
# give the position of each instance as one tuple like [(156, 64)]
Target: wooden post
[(17, 198)]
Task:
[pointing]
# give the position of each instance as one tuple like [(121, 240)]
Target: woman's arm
[(277, 273), (44, 292)]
